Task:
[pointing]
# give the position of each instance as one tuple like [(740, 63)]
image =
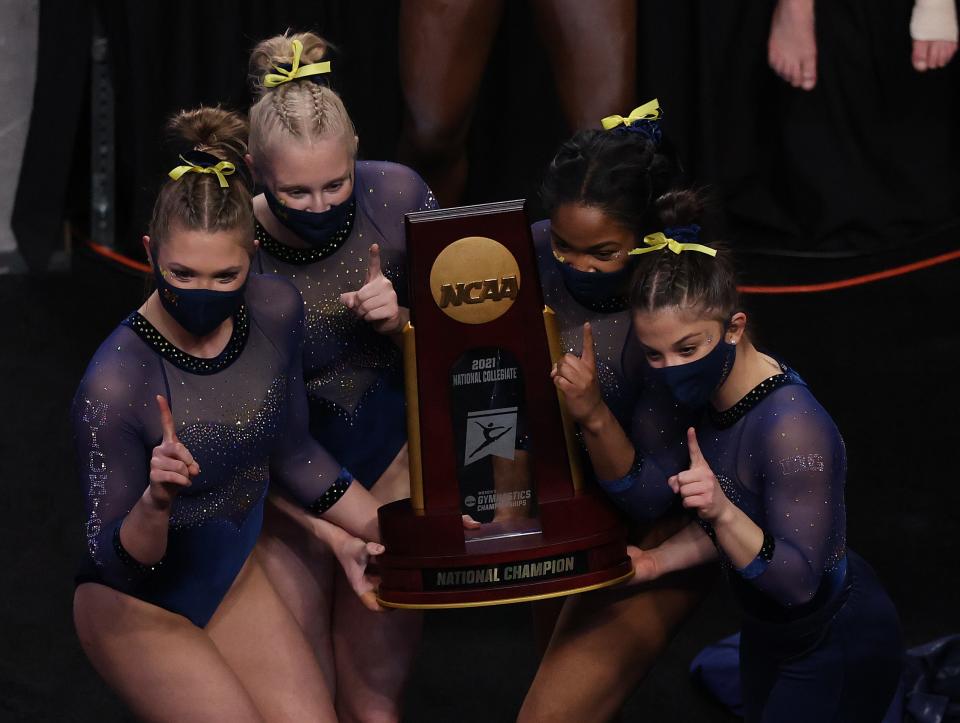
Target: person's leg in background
[(444, 47)]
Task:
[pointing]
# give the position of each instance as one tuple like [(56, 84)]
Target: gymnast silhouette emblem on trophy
[(492, 433)]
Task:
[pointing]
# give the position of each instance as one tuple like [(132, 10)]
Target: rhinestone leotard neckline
[(728, 417), (189, 363)]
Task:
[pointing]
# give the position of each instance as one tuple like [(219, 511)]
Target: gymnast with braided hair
[(334, 226), (186, 414), (599, 191), (761, 470)]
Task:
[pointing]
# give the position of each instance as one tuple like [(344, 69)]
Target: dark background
[(866, 162), (856, 176)]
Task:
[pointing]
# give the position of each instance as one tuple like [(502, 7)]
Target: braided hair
[(620, 173), (197, 201), (302, 109)]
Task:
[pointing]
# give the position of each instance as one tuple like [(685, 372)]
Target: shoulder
[(393, 181), (372, 170), (276, 308), (117, 372), (273, 296), (791, 418), (540, 231)]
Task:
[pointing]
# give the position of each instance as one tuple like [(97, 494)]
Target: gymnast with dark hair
[(186, 414), (599, 191), (763, 469)]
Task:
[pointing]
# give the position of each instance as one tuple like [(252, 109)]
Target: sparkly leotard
[(821, 638), (610, 324), (779, 457), (354, 374), (243, 416)]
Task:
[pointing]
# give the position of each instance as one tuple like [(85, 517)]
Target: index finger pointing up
[(588, 355), (373, 270), (693, 446), (166, 420)]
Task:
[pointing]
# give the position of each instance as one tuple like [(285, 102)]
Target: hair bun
[(219, 132), (278, 50), (215, 131), (680, 207)]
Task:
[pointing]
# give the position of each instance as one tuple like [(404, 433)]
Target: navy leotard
[(821, 638), (354, 374), (243, 415)]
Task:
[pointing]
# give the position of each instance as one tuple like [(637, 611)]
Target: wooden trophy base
[(573, 545)]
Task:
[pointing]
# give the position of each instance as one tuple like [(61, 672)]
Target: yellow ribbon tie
[(647, 111), (271, 80), (657, 241), (221, 170)]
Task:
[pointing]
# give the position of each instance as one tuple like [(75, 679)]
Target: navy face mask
[(316, 229), (694, 383), (598, 290), (199, 311)]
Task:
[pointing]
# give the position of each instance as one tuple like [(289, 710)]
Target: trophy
[(498, 510)]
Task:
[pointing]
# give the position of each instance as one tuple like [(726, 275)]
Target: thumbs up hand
[(171, 466), (376, 301), (576, 377), (698, 486)]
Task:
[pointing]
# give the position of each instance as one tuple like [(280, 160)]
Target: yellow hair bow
[(221, 170), (271, 80), (658, 240), (647, 111)]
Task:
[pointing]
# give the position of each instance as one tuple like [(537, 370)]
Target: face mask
[(693, 384), (598, 290), (199, 311), (316, 229)]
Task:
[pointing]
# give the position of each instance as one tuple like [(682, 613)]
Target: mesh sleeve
[(112, 458), (801, 471), (658, 432)]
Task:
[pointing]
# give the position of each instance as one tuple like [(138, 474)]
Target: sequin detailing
[(129, 560), (234, 470), (731, 416), (760, 563), (94, 416), (344, 356), (730, 489), (189, 363), (312, 254), (613, 305), (333, 494), (802, 463)]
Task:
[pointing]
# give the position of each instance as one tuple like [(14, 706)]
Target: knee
[(367, 709), (435, 137)]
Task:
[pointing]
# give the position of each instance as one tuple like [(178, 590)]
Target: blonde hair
[(298, 109), (196, 201)]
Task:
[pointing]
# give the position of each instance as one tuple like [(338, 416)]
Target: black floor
[(882, 358)]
